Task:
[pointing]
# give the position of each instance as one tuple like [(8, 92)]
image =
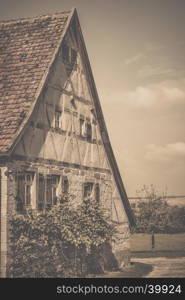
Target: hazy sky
[(137, 54)]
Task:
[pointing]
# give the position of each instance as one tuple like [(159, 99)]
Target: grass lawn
[(163, 242)]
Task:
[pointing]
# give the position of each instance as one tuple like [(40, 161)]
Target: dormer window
[(58, 115)]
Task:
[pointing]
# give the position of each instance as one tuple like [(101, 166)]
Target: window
[(65, 52), (23, 196), (51, 190), (89, 131), (57, 118), (73, 103), (28, 184), (87, 191), (82, 127), (91, 190), (69, 54), (73, 56), (47, 191), (85, 129)]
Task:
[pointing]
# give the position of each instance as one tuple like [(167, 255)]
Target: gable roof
[(28, 48)]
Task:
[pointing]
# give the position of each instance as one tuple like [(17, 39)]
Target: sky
[(137, 54)]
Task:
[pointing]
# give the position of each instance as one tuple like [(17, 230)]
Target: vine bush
[(61, 242)]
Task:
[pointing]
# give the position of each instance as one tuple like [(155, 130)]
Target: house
[(53, 135)]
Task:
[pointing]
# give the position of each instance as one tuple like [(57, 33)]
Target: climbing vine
[(59, 242)]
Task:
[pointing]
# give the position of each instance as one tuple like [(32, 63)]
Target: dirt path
[(164, 266)]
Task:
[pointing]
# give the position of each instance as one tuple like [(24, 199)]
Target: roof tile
[(26, 49)]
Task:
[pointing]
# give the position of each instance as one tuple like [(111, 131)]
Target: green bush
[(58, 242)]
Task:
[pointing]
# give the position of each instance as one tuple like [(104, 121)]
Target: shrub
[(58, 242)]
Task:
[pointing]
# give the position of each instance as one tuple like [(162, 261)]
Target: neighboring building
[(53, 136)]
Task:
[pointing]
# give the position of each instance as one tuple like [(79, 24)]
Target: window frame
[(49, 189), (86, 186), (57, 119), (86, 130), (24, 190), (97, 192)]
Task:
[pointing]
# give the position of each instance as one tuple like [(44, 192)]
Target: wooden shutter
[(49, 192), (41, 193), (20, 197), (97, 192), (65, 185)]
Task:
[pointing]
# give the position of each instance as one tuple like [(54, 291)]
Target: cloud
[(134, 59), (166, 153), (160, 61), (159, 95), (154, 71)]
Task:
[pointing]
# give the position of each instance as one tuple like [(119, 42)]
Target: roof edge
[(24, 19)]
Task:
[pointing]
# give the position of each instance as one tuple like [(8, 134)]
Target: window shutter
[(97, 192), (41, 194), (49, 192), (65, 185), (20, 193)]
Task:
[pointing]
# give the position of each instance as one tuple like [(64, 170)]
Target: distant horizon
[(137, 54)]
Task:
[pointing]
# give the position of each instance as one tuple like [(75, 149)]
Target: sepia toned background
[(137, 53)]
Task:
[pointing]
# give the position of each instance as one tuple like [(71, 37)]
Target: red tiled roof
[(26, 50)]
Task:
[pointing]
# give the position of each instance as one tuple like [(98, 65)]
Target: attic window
[(73, 103), (85, 129), (65, 52), (73, 55), (58, 115), (82, 127), (89, 131), (69, 54)]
